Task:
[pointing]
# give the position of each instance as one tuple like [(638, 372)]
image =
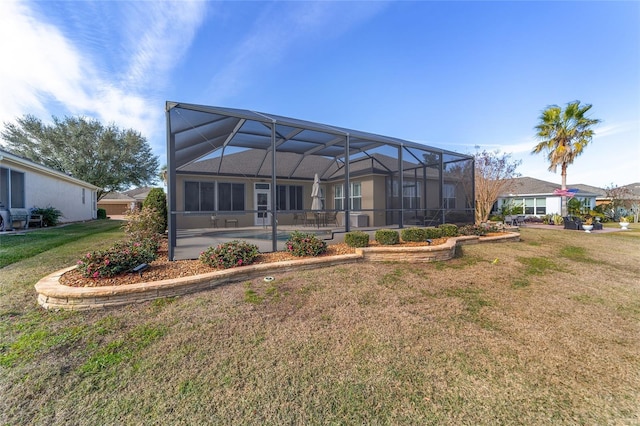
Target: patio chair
[(332, 218), (310, 218)]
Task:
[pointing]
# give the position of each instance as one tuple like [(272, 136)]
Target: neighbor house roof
[(15, 160), (530, 186), (634, 190)]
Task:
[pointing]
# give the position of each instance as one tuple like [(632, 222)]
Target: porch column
[(347, 187), (401, 184), (274, 221), (171, 187)]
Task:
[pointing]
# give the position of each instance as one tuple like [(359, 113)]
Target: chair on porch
[(310, 218), (332, 218)]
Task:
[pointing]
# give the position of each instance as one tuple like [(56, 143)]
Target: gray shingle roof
[(532, 186)]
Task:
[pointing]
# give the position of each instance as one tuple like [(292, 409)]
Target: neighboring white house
[(25, 184), (538, 198)]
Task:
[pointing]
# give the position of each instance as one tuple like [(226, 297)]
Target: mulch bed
[(163, 269)]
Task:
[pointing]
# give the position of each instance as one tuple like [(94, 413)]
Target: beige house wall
[(224, 218), (75, 201)]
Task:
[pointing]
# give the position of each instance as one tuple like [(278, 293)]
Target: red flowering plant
[(120, 258), (230, 254), (305, 244)]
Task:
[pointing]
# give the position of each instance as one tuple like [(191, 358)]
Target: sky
[(455, 75)]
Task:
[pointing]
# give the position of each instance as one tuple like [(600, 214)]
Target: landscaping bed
[(164, 269)]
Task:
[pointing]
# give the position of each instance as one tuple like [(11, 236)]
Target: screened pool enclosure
[(239, 174)]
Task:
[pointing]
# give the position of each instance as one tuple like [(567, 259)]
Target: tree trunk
[(563, 207)]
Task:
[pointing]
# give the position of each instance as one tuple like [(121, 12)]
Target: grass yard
[(545, 331)]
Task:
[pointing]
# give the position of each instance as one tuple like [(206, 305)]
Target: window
[(289, 197), (355, 199), (82, 195), (338, 197), (4, 187), (199, 196), (230, 196), (529, 205), (449, 196), (356, 196), (411, 195), (17, 190), (541, 206)]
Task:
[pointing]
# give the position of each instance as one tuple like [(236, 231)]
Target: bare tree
[(494, 173)]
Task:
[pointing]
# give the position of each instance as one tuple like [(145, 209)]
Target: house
[(240, 168), (538, 197), (118, 203), (25, 185)]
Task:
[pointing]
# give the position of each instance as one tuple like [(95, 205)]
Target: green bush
[(413, 234), (431, 233), (387, 237), (448, 229), (120, 258), (229, 254), (143, 224), (356, 239), (102, 214), (305, 244), (157, 200), (50, 215)]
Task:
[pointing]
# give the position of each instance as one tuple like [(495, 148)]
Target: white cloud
[(45, 73)]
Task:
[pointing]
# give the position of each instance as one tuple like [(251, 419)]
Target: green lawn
[(22, 245), (545, 331)]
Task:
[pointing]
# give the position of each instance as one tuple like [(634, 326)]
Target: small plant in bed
[(387, 237), (230, 254), (305, 244), (120, 258), (356, 239), (414, 234)]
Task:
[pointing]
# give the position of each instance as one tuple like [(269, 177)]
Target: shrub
[(473, 230), (102, 214), (157, 199), (387, 237), (50, 215), (432, 233), (302, 244), (448, 229), (230, 254), (414, 234), (143, 224), (119, 258), (356, 239)]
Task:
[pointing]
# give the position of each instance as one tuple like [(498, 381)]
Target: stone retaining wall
[(53, 295)]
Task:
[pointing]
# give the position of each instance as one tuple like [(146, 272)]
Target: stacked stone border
[(53, 295)]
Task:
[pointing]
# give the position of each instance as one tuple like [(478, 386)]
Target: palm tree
[(564, 135)]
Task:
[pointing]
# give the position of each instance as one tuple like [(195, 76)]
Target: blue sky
[(449, 74)]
